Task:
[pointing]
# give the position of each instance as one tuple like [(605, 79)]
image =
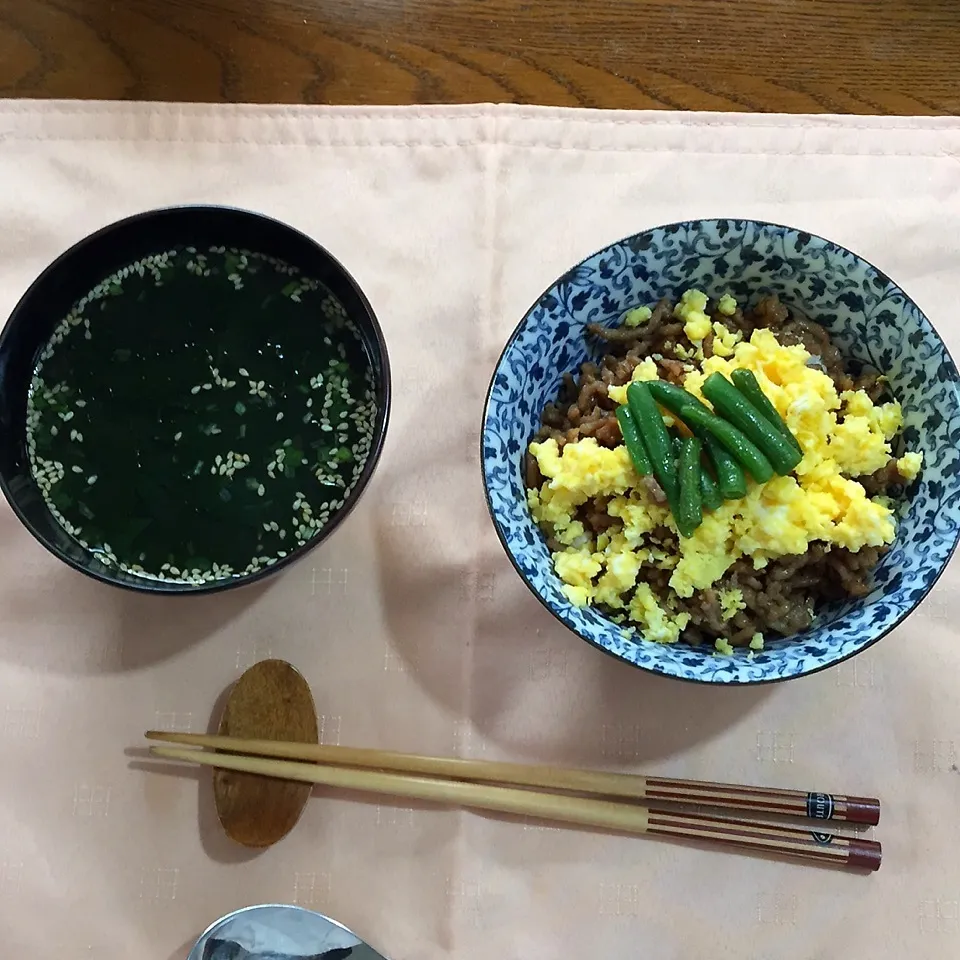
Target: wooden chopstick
[(745, 835), (820, 806)]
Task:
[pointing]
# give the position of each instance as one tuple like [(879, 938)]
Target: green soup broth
[(199, 415)]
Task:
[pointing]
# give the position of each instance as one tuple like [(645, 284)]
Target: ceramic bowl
[(871, 319), (73, 274)]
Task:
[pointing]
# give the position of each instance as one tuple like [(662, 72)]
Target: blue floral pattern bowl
[(875, 324)]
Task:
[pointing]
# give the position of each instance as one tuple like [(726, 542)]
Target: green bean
[(746, 382), (709, 492), (734, 441), (671, 396), (730, 478), (650, 426), (732, 405), (634, 442), (690, 514)]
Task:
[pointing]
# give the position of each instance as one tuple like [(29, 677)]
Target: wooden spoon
[(271, 701)]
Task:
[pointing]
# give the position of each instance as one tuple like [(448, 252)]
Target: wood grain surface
[(271, 701), (839, 56)]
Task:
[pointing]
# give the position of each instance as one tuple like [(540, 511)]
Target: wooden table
[(842, 56)]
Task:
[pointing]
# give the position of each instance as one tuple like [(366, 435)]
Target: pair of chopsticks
[(584, 797)]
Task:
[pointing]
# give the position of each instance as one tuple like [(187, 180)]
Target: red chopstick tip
[(865, 854), (862, 810)]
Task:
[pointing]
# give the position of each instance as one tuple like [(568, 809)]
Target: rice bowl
[(870, 320)]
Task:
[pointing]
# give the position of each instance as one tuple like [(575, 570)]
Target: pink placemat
[(410, 625)]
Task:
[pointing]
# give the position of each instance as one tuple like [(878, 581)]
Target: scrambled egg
[(645, 370), (727, 305), (633, 318), (908, 466), (843, 437), (731, 603), (691, 309), (724, 341)]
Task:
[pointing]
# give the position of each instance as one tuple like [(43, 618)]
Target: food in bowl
[(199, 414), (719, 475), (872, 322)]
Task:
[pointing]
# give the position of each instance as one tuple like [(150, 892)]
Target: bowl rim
[(517, 330), (214, 927), (172, 588)]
